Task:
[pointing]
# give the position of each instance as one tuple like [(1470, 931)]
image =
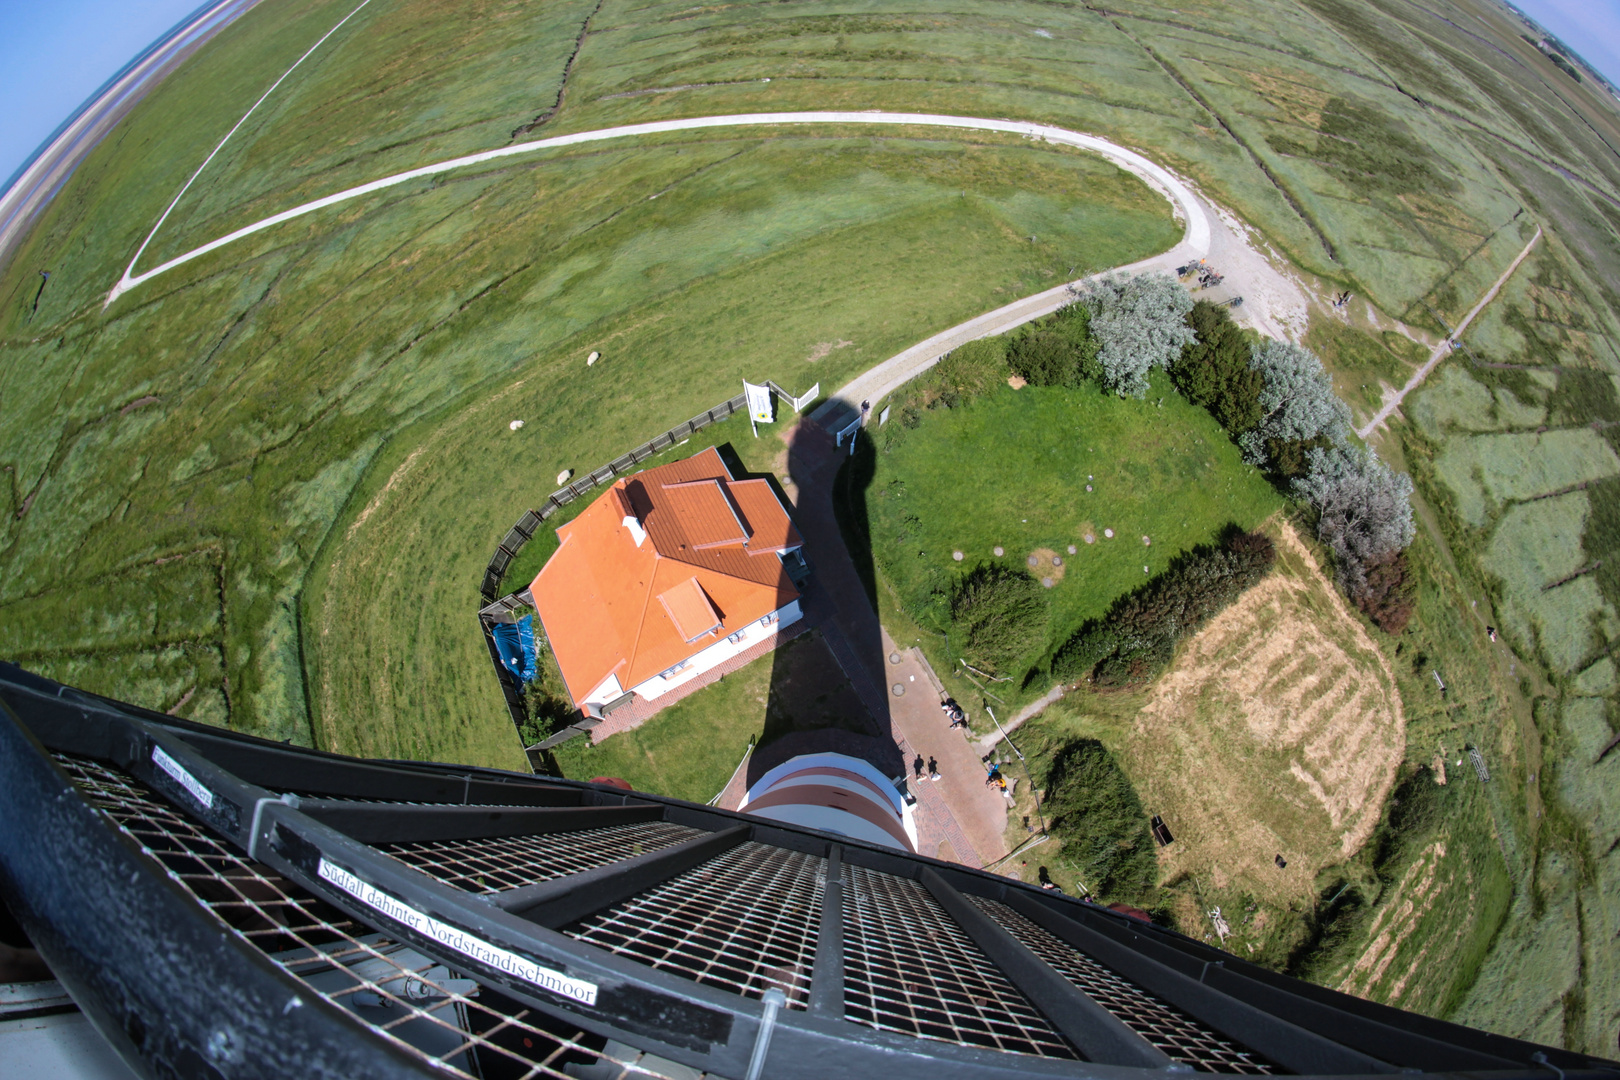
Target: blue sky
[(1590, 27), (55, 53)]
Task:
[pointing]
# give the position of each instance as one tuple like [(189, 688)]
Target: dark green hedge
[(1137, 638)]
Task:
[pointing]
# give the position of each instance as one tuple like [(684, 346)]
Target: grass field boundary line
[(1196, 237), (1442, 350), (187, 185)]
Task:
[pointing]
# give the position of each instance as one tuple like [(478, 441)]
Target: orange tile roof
[(690, 610), (706, 568)]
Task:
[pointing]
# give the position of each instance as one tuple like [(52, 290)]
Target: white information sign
[(459, 940), (183, 777)]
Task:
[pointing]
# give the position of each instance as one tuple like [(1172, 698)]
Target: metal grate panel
[(1181, 1037), (743, 921), (397, 992), (509, 862), (909, 968)]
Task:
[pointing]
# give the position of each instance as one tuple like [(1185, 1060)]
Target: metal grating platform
[(744, 921), (1178, 1035), (513, 861), (401, 995), (910, 969), (487, 925)]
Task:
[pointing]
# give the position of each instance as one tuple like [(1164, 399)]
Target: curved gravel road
[(1194, 244)]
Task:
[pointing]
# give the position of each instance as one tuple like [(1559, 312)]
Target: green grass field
[(1011, 470), (262, 490), (690, 749)]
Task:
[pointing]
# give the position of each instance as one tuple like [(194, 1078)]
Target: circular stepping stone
[(1088, 487), (1048, 582), (899, 689), (1108, 533), (999, 550), (1033, 561), (1146, 542), (1073, 550), (894, 658), (1090, 539), (1057, 560), (957, 555)]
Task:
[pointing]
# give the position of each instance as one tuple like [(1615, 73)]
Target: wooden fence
[(495, 605), (530, 523)]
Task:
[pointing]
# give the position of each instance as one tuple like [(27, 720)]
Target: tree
[(1296, 398), (1140, 323), (1214, 370), (1000, 618), (1099, 819), (971, 371), (1389, 596), (1365, 509)]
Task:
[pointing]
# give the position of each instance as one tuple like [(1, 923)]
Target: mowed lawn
[(1011, 470), (690, 749)]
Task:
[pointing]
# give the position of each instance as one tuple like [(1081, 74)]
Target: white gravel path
[(1195, 241)]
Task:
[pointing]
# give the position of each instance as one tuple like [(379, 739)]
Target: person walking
[(933, 769)]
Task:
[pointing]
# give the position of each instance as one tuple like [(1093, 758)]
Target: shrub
[(1296, 398), (1058, 351), (1139, 323), (1138, 637), (1291, 458), (1365, 509), (1099, 819), (970, 371), (1000, 618), (1390, 593), (1214, 370), (1043, 358)]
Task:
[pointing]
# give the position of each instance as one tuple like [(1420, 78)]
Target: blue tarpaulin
[(514, 642)]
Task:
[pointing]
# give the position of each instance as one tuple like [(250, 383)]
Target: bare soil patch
[(1047, 566), (1277, 732), (824, 349)]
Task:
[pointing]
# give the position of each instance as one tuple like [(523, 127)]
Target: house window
[(738, 636), (670, 671), (768, 620)]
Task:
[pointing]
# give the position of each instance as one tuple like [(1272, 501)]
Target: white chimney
[(636, 531)]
